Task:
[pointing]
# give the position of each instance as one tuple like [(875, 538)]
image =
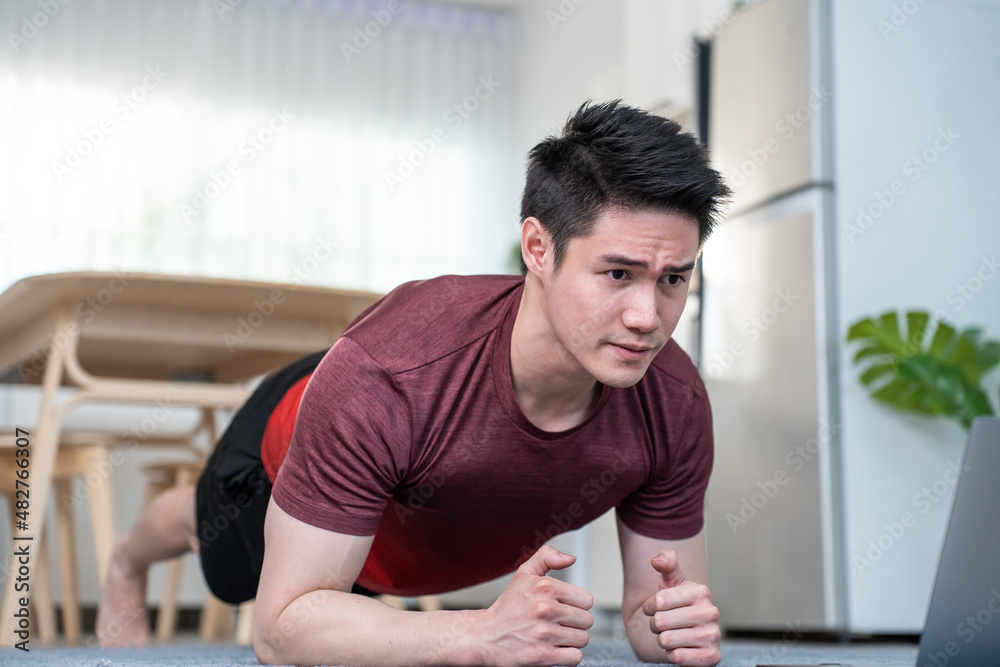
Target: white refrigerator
[(861, 141), (768, 348)]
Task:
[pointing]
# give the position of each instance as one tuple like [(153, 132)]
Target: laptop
[(963, 620)]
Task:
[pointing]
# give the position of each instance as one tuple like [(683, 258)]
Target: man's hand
[(682, 616), (538, 620)]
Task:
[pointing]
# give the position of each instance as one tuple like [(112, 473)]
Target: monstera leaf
[(915, 370)]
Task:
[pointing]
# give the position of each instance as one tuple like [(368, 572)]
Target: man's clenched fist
[(538, 620), (682, 616)]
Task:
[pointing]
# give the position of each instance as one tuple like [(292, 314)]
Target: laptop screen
[(963, 619)]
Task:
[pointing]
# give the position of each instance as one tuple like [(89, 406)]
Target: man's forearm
[(336, 628), (641, 636)]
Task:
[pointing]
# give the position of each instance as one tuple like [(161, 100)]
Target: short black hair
[(613, 156)]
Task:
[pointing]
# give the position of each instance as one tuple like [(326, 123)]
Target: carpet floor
[(602, 653)]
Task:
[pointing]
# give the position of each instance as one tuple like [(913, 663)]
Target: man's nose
[(640, 313)]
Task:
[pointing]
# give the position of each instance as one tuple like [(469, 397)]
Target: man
[(461, 421)]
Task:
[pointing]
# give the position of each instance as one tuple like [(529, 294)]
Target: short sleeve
[(671, 505), (350, 447)]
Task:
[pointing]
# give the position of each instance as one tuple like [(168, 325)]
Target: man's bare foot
[(121, 614)]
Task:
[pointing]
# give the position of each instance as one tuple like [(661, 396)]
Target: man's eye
[(671, 279), (617, 274)]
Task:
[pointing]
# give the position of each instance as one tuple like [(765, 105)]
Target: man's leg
[(165, 529)]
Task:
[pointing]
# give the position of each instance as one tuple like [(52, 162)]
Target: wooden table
[(147, 338)]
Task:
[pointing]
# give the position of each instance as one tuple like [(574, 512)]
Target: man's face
[(619, 292)]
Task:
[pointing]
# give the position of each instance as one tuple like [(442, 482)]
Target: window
[(237, 139)]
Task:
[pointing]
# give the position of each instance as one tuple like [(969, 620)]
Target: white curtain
[(353, 144)]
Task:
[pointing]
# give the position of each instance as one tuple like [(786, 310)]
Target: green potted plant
[(930, 370)]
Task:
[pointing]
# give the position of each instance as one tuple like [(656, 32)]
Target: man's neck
[(551, 388)]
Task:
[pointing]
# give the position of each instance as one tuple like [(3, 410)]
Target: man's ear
[(536, 245)]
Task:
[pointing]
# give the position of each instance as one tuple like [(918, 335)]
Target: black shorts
[(233, 492)]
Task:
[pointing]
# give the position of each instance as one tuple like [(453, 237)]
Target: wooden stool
[(42, 605), (216, 615), (161, 477), (217, 622), (80, 455), (87, 455), (424, 602)]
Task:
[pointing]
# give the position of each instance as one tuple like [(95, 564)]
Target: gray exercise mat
[(602, 652)]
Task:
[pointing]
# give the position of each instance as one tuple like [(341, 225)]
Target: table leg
[(244, 624), (66, 536), (44, 442), (102, 512), (166, 620), (216, 618), (45, 618)]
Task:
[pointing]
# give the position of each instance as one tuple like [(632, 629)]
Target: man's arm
[(669, 615), (305, 614)]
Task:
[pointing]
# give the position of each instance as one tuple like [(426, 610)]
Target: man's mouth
[(631, 352), (634, 348)]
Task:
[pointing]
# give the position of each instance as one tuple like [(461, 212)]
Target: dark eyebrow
[(627, 261)]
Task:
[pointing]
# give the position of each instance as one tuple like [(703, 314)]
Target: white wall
[(574, 50), (895, 90)]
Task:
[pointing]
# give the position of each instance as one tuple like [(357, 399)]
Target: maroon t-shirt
[(410, 431)]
